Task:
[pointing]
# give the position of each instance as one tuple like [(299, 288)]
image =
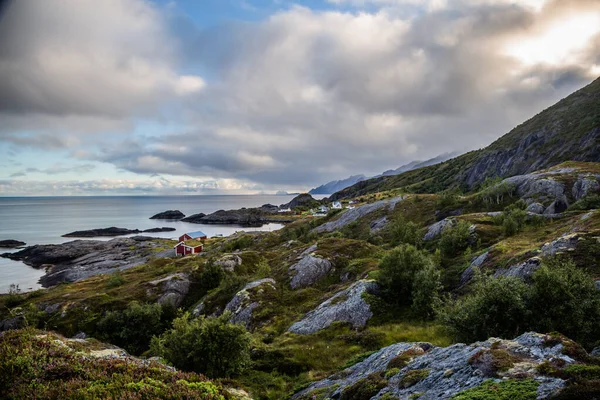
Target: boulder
[(229, 262), (446, 371), (585, 185), (379, 224), (522, 270), (436, 229), (476, 262), (244, 302), (309, 270), (345, 306), (302, 200), (559, 205), (351, 215), (171, 289), (535, 208), (11, 244), (564, 243), (12, 323), (169, 214)]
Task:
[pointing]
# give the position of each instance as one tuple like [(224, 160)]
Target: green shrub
[(408, 277), (403, 232), (455, 239), (448, 199), (115, 280), (513, 218), (565, 299), (133, 328), (413, 377), (589, 202), (497, 307), (14, 297), (506, 390), (212, 346), (240, 243)]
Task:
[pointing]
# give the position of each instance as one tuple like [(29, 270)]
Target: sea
[(43, 220)]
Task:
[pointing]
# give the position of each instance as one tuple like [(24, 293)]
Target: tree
[(455, 239), (212, 346)]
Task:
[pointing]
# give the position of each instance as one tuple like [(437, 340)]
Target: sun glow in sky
[(558, 43)]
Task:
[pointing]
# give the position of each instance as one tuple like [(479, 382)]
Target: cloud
[(56, 169), (299, 98), (69, 61)]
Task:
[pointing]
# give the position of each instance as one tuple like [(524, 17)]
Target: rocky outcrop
[(435, 230), (476, 263), (229, 262), (309, 269), (11, 244), (379, 224), (345, 306), (586, 185), (562, 244), (114, 231), (248, 217), (445, 371), (244, 302), (349, 216), (80, 259), (171, 289), (194, 219), (304, 200), (522, 270), (169, 214), (535, 208)]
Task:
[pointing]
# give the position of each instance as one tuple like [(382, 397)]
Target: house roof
[(192, 243), (196, 235)]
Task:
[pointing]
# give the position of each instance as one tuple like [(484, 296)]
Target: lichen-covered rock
[(379, 224), (229, 262), (243, 303), (451, 370), (345, 306), (522, 270), (309, 269), (476, 262), (559, 205), (351, 215), (585, 185), (536, 185), (535, 208), (436, 229), (560, 245), (171, 289)]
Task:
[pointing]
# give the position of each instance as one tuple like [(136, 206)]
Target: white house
[(336, 205), (284, 210), (323, 209)]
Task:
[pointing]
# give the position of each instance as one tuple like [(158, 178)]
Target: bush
[(365, 388), (512, 219), (403, 232), (497, 307), (589, 202), (565, 299), (133, 328), (506, 390), (455, 239), (448, 199), (408, 277), (212, 346)]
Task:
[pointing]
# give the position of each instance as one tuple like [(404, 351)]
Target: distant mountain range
[(567, 131), (336, 186)]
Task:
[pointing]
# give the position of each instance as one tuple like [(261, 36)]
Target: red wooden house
[(190, 243)]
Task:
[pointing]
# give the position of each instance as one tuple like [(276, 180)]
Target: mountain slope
[(336, 186), (419, 164), (569, 130)]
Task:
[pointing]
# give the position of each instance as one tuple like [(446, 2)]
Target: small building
[(193, 236), (336, 205), (188, 247), (323, 209), (285, 210)]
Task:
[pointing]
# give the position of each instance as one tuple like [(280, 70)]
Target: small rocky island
[(114, 231), (173, 215), (11, 244)]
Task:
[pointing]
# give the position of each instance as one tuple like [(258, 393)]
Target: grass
[(506, 390)]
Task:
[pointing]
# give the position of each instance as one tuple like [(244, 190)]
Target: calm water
[(42, 220)]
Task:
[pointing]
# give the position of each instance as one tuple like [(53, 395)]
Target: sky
[(252, 96)]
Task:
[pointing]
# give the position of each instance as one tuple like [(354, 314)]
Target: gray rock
[(169, 214), (12, 323), (172, 289), (199, 309), (450, 371), (229, 262), (559, 205), (379, 224), (564, 243), (309, 270), (535, 208), (587, 216), (585, 185), (345, 306), (80, 259), (595, 352), (597, 283), (476, 262), (242, 304), (436, 229), (80, 335), (51, 309), (522, 270), (11, 244), (349, 216), (536, 185)]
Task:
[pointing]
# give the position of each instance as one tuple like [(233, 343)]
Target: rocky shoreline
[(114, 231), (80, 259), (11, 244)]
